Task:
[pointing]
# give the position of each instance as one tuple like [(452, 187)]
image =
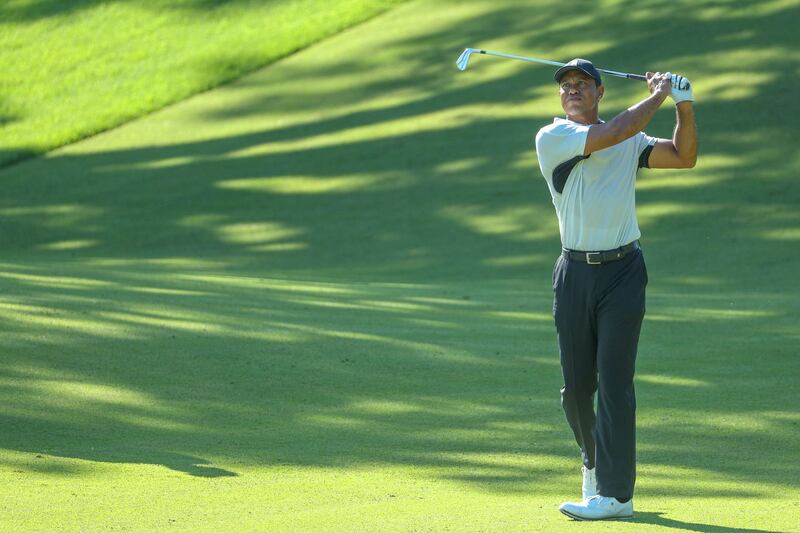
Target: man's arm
[(632, 120), (681, 151)]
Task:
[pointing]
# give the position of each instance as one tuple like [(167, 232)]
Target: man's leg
[(619, 319), (577, 345)]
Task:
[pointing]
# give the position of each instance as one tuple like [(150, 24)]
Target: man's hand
[(681, 89), (659, 84)]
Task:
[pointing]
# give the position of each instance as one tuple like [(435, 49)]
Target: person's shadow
[(659, 520)]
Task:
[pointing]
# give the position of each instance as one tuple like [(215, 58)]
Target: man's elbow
[(689, 162), (685, 160)]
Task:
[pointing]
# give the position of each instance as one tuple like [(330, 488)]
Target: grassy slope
[(72, 69), (319, 298)]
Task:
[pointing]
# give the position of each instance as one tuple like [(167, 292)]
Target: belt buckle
[(599, 256)]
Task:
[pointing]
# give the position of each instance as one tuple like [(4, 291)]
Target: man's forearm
[(635, 118), (685, 136)]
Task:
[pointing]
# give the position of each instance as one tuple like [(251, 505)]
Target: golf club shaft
[(557, 64)]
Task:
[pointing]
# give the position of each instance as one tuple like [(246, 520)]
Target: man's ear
[(600, 90)]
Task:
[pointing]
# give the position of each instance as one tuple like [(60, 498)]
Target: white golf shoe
[(598, 508), (589, 487)]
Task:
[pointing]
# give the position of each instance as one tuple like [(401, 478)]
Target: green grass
[(319, 298), (73, 69)]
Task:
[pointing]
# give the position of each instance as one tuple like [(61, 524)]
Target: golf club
[(463, 59)]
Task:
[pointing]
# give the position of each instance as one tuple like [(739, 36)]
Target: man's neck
[(585, 119)]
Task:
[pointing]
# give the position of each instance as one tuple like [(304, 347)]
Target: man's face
[(579, 93)]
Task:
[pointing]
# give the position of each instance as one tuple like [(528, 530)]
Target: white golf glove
[(681, 89)]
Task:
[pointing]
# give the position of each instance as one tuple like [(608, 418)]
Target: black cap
[(579, 64)]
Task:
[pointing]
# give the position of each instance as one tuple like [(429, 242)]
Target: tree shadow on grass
[(417, 201), (172, 367), (658, 519)]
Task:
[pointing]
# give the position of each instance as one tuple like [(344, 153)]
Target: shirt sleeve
[(645, 140), (558, 143), (645, 145)]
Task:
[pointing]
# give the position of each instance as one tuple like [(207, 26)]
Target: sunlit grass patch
[(140, 57)]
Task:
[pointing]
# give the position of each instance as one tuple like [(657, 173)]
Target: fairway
[(319, 298)]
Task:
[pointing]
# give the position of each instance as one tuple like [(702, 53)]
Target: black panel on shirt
[(644, 158), (561, 172)]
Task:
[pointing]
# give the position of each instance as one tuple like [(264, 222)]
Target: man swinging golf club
[(600, 277)]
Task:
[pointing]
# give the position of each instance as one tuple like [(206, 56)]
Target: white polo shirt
[(596, 208)]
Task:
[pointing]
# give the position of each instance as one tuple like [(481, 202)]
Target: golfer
[(599, 279)]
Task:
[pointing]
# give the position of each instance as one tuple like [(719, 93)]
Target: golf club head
[(463, 59)]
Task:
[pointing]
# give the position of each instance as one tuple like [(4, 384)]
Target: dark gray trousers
[(598, 311)]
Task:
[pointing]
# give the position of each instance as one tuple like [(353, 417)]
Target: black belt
[(598, 258)]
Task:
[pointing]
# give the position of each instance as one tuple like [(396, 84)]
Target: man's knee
[(576, 394)]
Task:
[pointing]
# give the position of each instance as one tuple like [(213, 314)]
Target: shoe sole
[(584, 519)]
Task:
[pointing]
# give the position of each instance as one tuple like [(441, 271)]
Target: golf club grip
[(637, 77)]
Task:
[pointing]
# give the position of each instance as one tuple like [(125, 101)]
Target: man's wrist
[(659, 97), (685, 108)]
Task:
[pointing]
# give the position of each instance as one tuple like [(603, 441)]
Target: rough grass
[(73, 69), (319, 298)]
